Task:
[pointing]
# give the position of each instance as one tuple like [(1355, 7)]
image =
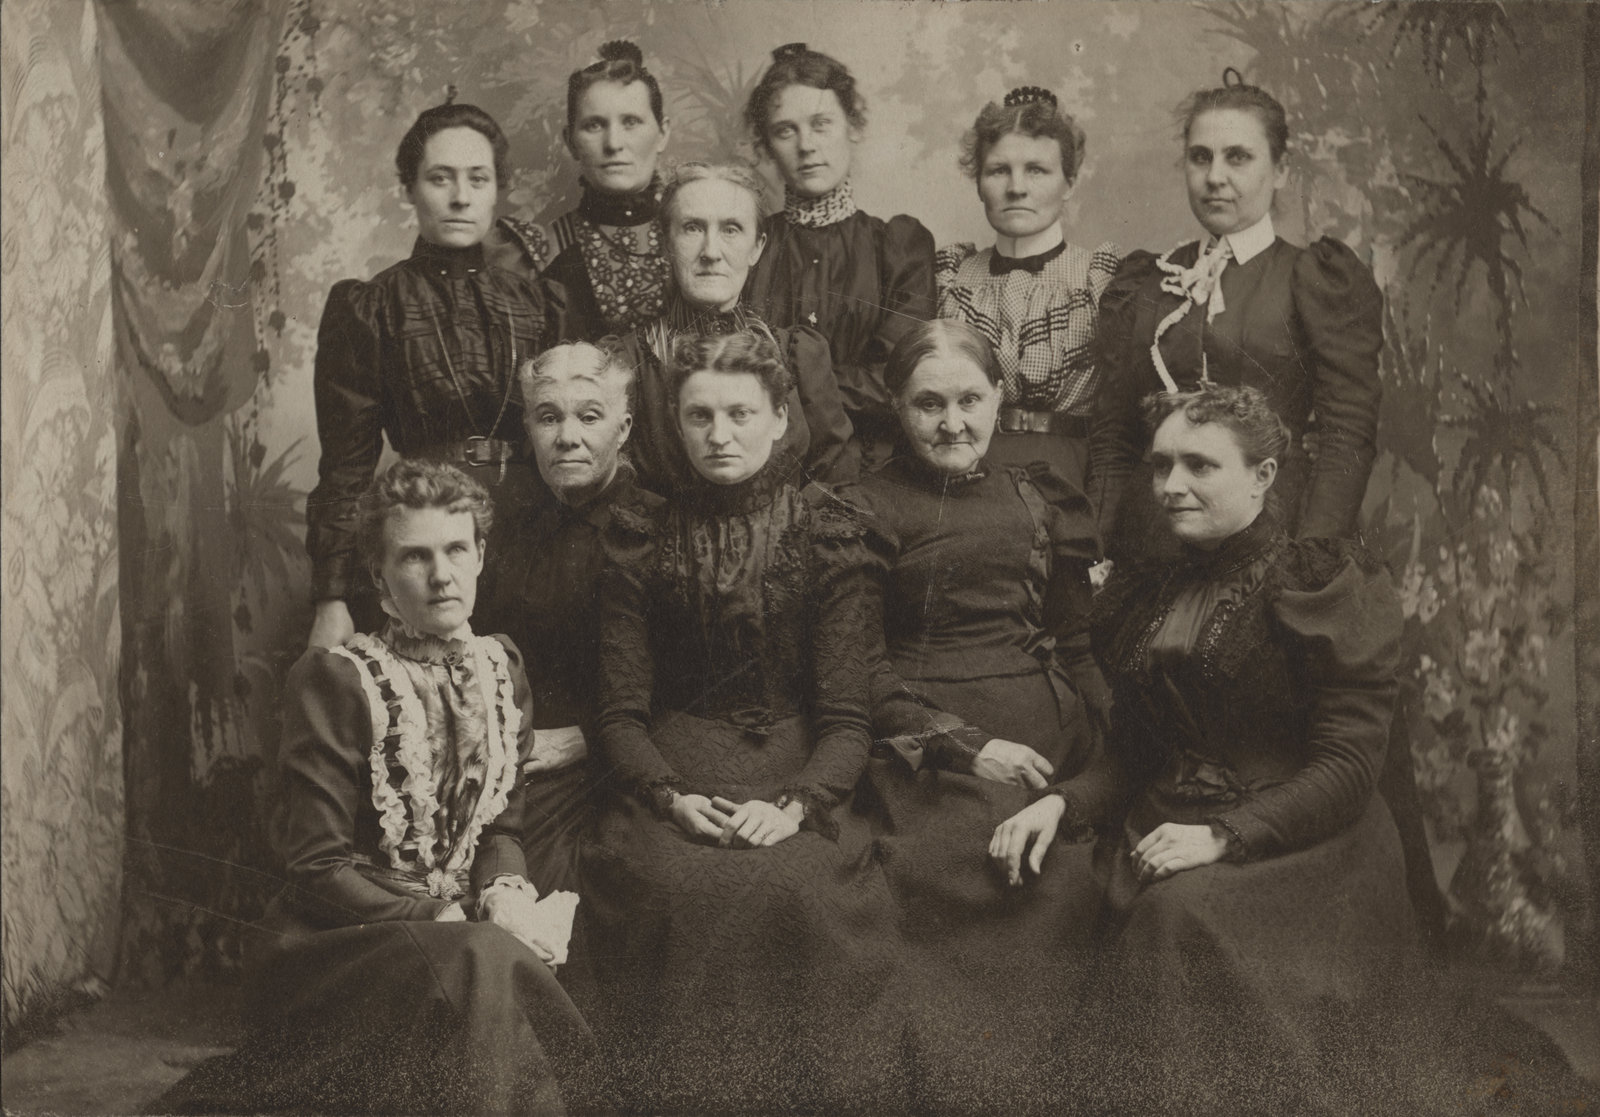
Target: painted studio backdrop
[(184, 180)]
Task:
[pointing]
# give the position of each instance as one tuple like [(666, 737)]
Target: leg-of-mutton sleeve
[(832, 457), (326, 780), (1340, 310), (1117, 438), (1341, 621), (627, 665), (347, 391), (839, 658), (906, 296)]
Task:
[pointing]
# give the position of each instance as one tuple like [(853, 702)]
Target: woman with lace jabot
[(747, 931), (408, 965), (711, 228), (603, 261), (1241, 305), (858, 280), (985, 698), (1034, 294), (425, 353)]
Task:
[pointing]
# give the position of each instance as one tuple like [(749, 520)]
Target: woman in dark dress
[(858, 280), (579, 418), (426, 353), (407, 966), (986, 698), (749, 933), (603, 261), (1034, 295), (1262, 953), (711, 222)]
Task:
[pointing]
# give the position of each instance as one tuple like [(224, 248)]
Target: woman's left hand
[(757, 823), (1025, 837), (1173, 847)]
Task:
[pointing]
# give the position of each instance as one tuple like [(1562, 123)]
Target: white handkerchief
[(556, 748), (553, 915)]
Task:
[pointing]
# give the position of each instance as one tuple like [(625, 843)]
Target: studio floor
[(116, 1055)]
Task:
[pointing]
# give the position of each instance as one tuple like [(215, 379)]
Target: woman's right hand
[(697, 818), (332, 625), (1033, 826), (1010, 762)]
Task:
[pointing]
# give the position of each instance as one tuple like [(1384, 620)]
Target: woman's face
[(431, 561), (729, 425), (455, 190), (1203, 483), (947, 409), (1230, 170), (713, 240), (810, 138), (1022, 184), (615, 137), (577, 428)]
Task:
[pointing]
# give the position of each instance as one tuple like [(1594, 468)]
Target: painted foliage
[(61, 794), (1439, 140)]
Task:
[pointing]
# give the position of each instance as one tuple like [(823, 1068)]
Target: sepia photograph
[(940, 557)]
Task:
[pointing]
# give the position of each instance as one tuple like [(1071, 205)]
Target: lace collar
[(815, 213), (453, 262), (422, 647), (620, 210), (749, 495)]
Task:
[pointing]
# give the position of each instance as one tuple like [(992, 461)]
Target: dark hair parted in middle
[(798, 64), (408, 158), (1028, 111), (753, 351), (418, 483), (1236, 94), (621, 62), (942, 337), (1244, 410)]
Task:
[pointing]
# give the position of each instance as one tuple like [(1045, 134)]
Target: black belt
[(475, 451), (1019, 420)]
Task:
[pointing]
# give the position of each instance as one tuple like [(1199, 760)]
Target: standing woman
[(859, 280), (609, 266), (1242, 306), (750, 933), (425, 352), (1034, 295)]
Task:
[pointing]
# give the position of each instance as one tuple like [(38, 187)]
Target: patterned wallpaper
[(61, 783)]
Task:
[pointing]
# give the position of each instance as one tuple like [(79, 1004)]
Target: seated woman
[(748, 931), (985, 694), (578, 414), (859, 280), (406, 966), (711, 223), (1263, 955), (1034, 295)]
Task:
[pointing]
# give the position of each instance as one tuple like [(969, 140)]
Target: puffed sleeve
[(347, 393), (518, 246), (839, 669), (1340, 310), (1340, 617), (499, 851), (903, 717), (946, 262), (1116, 440), (627, 666), (327, 733), (906, 297), (831, 457)]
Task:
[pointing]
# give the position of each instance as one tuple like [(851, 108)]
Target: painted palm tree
[(1436, 27)]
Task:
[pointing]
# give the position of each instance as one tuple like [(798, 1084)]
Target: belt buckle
[(479, 450), (1013, 420)]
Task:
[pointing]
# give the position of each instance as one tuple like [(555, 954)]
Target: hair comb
[(1030, 95)]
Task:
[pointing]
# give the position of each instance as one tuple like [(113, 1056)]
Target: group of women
[(869, 799)]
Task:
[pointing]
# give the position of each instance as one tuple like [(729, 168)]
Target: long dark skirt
[(398, 1017), (993, 971), (742, 980)]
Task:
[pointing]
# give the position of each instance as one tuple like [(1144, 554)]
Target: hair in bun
[(1236, 93), (798, 64), (621, 50), (622, 62), (1028, 110)]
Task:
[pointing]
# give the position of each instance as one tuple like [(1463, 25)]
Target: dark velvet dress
[(1254, 687), (819, 431), (425, 353), (548, 579), (733, 663), (860, 282), (984, 599), (361, 1002), (1304, 325)]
